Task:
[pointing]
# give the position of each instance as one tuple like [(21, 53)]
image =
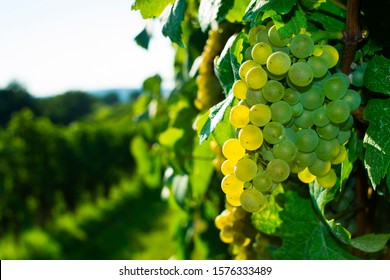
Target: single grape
[(335, 88), (312, 98), (337, 111), (318, 65), (320, 167), (291, 96), (260, 52), (328, 131), (330, 55), (274, 132), (319, 117), (262, 182), (232, 149), (250, 137), (252, 200), (305, 176), (256, 78), (305, 159), (342, 155), (226, 234), (343, 136), (245, 169), (358, 75), (328, 180), (353, 99), (260, 114), (302, 46), (327, 150), (278, 63), (262, 36), (234, 200), (347, 125), (285, 150), (245, 67), (300, 74), (304, 120), (227, 166), (273, 91), (254, 97), (275, 39), (239, 89), (281, 112), (239, 116), (290, 134), (297, 110), (307, 140), (248, 53), (252, 33), (278, 170), (231, 185)]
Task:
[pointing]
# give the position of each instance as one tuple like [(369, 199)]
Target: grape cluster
[(293, 117)]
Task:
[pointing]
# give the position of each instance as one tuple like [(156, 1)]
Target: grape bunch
[(293, 117)]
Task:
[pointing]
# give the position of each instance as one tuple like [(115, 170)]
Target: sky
[(51, 46)]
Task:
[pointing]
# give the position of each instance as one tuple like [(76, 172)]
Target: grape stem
[(352, 35)]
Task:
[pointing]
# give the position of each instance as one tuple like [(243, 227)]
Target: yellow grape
[(256, 78), (239, 89), (251, 137), (232, 149), (305, 176), (231, 185), (239, 116), (260, 114), (227, 166)]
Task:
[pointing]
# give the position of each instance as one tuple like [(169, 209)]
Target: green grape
[(342, 155), (274, 132), (327, 150), (294, 167), (248, 53), (305, 159), (300, 74), (291, 96), (353, 99), (250, 137), (304, 120), (297, 110), (312, 98), (342, 76), (254, 97), (262, 36), (328, 131), (278, 170), (231, 185), (232, 149), (245, 67), (239, 89), (267, 153), (329, 54), (328, 180), (278, 63), (302, 46), (305, 176), (252, 200), (343, 136), (256, 78), (252, 33), (262, 182), (239, 116), (335, 88), (337, 111), (347, 125), (245, 169), (273, 91), (260, 114), (260, 52), (358, 75), (285, 150), (275, 39), (227, 166), (320, 167), (318, 65), (281, 112), (290, 134), (319, 117), (307, 140), (275, 77)]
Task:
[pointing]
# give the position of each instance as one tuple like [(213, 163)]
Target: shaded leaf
[(377, 75), (171, 19), (213, 10), (370, 242), (143, 38), (180, 188)]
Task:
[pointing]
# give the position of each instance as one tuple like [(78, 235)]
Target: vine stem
[(352, 35)]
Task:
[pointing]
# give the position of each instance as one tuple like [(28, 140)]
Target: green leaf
[(215, 117), (224, 129), (330, 16), (180, 188), (377, 140), (172, 19), (268, 220), (257, 6), (304, 235), (150, 8), (143, 38), (237, 13), (377, 75), (213, 10), (371, 242), (296, 20), (170, 137)]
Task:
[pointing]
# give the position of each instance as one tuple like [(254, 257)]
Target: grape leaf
[(377, 75), (151, 8), (180, 188), (330, 16), (237, 12), (143, 38), (215, 117), (224, 129), (257, 6), (171, 19), (213, 10), (377, 140), (304, 235)]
